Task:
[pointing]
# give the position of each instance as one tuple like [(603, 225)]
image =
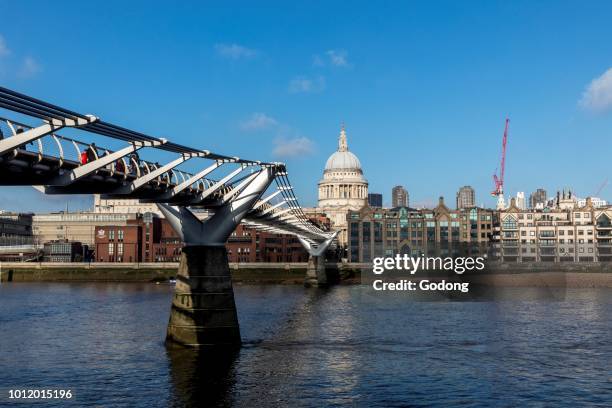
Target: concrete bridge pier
[(203, 309), (316, 274)]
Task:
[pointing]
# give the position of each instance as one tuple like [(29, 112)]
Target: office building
[(538, 199), (520, 200), (440, 231), (466, 197), (399, 197), (375, 200), (75, 227), (15, 229)]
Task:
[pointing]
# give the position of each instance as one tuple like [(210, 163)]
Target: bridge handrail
[(30, 106), (77, 143)]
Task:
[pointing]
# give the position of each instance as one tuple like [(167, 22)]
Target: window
[(120, 235), (120, 248), (111, 248), (603, 221), (473, 214), (111, 235), (378, 227), (366, 232), (509, 223)]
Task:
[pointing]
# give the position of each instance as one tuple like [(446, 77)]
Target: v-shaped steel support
[(215, 230)]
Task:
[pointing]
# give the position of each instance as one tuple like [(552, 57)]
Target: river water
[(343, 346)]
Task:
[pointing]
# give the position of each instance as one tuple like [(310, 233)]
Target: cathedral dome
[(342, 159)]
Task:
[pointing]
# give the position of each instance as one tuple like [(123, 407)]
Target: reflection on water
[(342, 346), (201, 378)]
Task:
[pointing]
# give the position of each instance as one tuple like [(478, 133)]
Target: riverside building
[(15, 228), (77, 226), (375, 232), (565, 232)]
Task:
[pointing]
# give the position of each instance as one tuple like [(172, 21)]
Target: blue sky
[(422, 87)]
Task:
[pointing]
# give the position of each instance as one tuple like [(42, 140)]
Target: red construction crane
[(499, 181)]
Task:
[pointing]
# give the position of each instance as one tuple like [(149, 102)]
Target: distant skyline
[(423, 88)]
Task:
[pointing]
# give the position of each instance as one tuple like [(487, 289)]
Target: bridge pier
[(203, 309), (316, 275)]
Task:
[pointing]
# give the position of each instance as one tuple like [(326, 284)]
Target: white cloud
[(258, 121), (4, 50), (317, 61), (29, 68), (598, 95), (306, 85), (299, 146), (338, 58), (235, 51)]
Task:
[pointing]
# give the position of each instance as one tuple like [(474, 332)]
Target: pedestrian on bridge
[(91, 153)]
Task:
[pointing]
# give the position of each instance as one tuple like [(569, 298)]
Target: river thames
[(343, 346)]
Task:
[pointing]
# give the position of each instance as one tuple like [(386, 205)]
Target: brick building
[(148, 238), (248, 245)]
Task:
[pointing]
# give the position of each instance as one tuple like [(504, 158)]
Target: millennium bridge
[(231, 189)]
